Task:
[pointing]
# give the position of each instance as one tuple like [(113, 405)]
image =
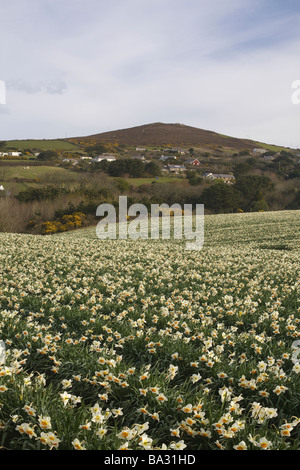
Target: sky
[(79, 67)]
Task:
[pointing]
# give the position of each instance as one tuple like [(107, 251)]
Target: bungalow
[(193, 161), (138, 157), (260, 150), (10, 154), (176, 168), (175, 150), (107, 157), (164, 158), (14, 154), (212, 176)]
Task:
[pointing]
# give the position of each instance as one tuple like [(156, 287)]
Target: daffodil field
[(140, 344)]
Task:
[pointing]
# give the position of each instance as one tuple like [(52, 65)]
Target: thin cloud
[(52, 88)]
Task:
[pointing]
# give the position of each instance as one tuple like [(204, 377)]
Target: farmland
[(140, 344), (43, 144)]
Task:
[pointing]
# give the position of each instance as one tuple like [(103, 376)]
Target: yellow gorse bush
[(67, 222)]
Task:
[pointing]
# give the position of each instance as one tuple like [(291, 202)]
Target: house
[(10, 154), (138, 157), (176, 168), (175, 150), (164, 158), (213, 176), (85, 158), (104, 156), (193, 161), (1, 187), (14, 154), (260, 150)]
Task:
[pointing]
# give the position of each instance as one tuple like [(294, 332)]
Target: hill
[(167, 134), (147, 135)]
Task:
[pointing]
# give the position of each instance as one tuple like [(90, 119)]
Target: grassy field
[(43, 144), (140, 344), (42, 173), (160, 179)]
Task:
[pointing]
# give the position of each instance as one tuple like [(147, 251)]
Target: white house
[(214, 176), (176, 168), (10, 154), (107, 157), (260, 150), (14, 154)]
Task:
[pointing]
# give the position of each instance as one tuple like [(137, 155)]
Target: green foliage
[(221, 197), (152, 169), (132, 167), (48, 156), (193, 178), (96, 149), (252, 188), (38, 194)]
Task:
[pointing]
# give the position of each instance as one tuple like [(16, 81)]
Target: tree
[(152, 169), (220, 197), (241, 168), (124, 166), (193, 178), (94, 150), (250, 187), (48, 156)]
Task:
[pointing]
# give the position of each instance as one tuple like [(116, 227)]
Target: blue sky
[(78, 67)]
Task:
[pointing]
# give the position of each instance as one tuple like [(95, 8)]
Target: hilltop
[(168, 134)]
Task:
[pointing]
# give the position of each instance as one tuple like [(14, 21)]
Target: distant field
[(33, 172), (42, 145), (274, 148), (160, 179)]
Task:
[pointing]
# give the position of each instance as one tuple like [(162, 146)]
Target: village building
[(213, 176), (193, 162)]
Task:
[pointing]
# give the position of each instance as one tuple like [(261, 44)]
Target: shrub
[(67, 222)]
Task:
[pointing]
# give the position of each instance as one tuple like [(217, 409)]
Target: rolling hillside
[(147, 135), (168, 134)]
